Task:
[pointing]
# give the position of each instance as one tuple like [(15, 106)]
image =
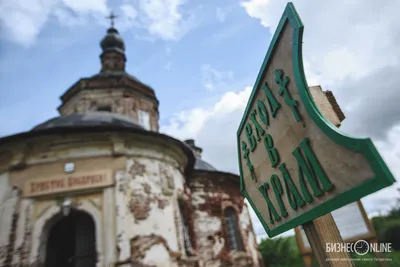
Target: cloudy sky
[(202, 58)]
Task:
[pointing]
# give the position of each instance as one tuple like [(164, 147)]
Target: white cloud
[(192, 123), (129, 12), (163, 18), (344, 50), (166, 20), (86, 6), (213, 79), (22, 21), (341, 39)]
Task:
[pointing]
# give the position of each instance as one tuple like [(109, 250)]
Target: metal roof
[(203, 165), (98, 118)]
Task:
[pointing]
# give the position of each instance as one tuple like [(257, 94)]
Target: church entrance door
[(72, 242)]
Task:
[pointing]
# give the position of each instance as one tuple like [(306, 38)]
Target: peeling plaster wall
[(205, 227), (210, 195), (146, 202), (23, 238), (157, 255), (137, 219), (249, 236), (9, 200)]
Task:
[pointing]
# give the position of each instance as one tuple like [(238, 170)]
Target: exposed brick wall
[(12, 237), (23, 242), (212, 192), (187, 211), (146, 198), (9, 216)]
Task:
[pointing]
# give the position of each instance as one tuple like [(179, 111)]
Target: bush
[(280, 252), (395, 259), (379, 226), (392, 234)]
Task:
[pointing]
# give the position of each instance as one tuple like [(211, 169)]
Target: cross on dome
[(112, 17)]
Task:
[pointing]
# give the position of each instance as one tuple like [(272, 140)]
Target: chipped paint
[(143, 212), (158, 255), (9, 203), (210, 195)]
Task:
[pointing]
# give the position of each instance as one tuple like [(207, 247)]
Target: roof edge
[(82, 129), (232, 176)]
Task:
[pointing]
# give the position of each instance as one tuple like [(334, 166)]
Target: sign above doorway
[(67, 183)]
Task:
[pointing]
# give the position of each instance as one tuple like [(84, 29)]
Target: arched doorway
[(71, 242)]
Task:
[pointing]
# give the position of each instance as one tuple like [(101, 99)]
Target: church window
[(104, 108), (144, 119), (185, 229), (232, 230)]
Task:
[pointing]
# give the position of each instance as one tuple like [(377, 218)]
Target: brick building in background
[(100, 186)]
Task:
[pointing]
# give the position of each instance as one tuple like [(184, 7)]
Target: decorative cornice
[(122, 82), (116, 139)]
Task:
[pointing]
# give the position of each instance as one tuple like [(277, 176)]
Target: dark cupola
[(113, 56), (113, 42)]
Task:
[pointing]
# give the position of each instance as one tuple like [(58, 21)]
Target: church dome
[(89, 119), (202, 165), (113, 41)]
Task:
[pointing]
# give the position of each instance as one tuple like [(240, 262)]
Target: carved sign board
[(66, 183), (352, 222), (294, 164)]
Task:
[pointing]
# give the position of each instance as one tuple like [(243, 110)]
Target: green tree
[(392, 233), (394, 213), (382, 223), (279, 252), (379, 226)]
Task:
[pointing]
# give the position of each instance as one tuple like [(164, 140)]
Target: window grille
[(232, 229), (186, 236)]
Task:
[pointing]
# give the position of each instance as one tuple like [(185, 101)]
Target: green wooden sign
[(294, 164)]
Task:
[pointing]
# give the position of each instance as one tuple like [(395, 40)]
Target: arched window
[(232, 230)]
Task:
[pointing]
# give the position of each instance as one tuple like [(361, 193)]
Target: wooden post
[(306, 256), (323, 230), (378, 255)]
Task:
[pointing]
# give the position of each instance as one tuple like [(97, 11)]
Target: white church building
[(100, 186)]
